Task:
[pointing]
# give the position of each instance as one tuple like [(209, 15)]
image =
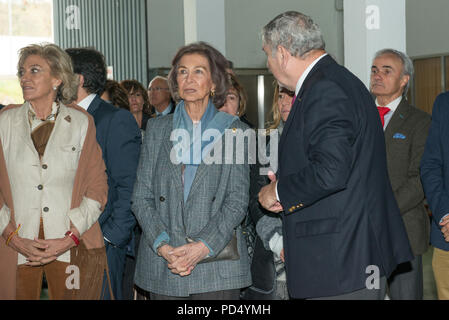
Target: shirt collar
[(393, 105), (306, 72), (165, 112), (85, 103)]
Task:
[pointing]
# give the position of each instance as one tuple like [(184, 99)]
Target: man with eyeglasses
[(159, 95)]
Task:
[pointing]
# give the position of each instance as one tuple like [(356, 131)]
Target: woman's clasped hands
[(182, 260), (39, 251)]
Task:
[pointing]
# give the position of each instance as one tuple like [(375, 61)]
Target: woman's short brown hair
[(235, 83), (60, 67), (132, 86), (217, 63)]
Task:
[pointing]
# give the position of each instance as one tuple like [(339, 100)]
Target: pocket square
[(399, 136)]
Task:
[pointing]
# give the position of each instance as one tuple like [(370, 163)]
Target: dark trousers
[(130, 268), (363, 294), (406, 281), (116, 262), (128, 278)]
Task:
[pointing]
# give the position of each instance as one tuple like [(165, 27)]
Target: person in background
[(406, 129), (1, 106), (230, 67), (160, 97), (236, 99), (189, 209), (115, 94), (53, 184), (267, 265), (435, 177), (120, 140), (138, 102)]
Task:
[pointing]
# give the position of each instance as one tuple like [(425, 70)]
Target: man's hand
[(267, 195), (445, 228)]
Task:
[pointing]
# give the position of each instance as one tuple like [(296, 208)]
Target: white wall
[(427, 27), (165, 31), (369, 26), (244, 20)]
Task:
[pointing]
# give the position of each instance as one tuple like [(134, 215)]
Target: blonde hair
[(60, 67), (275, 114)]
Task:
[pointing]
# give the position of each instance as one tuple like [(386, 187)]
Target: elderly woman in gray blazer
[(189, 206)]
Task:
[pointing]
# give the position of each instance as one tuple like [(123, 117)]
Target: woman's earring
[(212, 92), (55, 88)]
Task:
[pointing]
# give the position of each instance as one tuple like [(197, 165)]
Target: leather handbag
[(230, 252)]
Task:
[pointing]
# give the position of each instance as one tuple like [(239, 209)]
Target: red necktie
[(294, 98), (382, 112)]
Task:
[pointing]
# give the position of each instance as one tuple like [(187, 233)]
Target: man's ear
[(283, 56), (404, 80), (81, 77)]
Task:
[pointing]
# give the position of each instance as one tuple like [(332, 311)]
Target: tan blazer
[(89, 181)]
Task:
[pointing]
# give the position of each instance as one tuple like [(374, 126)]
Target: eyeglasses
[(157, 89)]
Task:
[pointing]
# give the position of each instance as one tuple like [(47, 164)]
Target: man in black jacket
[(343, 233)]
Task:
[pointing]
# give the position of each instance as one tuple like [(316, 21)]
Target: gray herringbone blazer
[(217, 204), (405, 138)]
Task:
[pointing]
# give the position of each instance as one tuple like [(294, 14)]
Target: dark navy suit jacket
[(119, 138), (341, 216), (434, 168)]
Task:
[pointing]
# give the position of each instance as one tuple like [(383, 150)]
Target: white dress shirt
[(85, 103), (393, 105)]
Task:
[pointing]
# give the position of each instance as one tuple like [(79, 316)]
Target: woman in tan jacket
[(53, 185)]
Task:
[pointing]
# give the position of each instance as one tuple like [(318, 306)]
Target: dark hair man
[(120, 139)]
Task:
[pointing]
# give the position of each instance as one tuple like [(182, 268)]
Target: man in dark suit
[(119, 138), (435, 177), (406, 129), (343, 234)]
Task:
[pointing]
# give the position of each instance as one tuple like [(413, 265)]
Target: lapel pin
[(68, 119)]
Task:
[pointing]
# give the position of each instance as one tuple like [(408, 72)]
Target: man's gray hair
[(294, 31), (407, 65), (158, 77)]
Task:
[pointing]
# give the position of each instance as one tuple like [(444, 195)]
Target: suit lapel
[(396, 121), (200, 173), (175, 169), (94, 105)]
